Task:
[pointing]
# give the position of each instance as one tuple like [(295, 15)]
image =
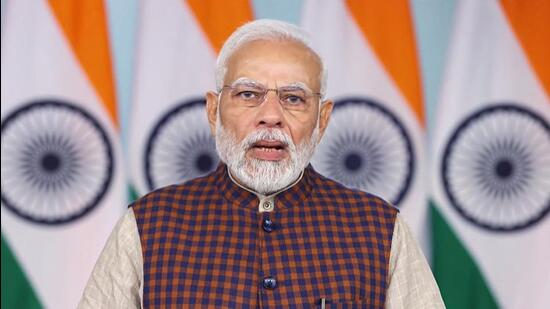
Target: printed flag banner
[(376, 139), (491, 167), (62, 182), (178, 45)]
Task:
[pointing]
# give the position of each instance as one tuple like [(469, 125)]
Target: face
[(269, 137)]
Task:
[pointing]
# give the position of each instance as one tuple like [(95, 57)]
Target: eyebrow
[(299, 85), (246, 80)]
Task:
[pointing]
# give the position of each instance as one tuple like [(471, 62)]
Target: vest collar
[(293, 195)]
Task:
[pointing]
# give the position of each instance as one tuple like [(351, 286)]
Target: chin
[(264, 176)]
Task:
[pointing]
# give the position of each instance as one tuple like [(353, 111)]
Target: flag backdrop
[(491, 167), (178, 45), (62, 186), (375, 140), (62, 183)]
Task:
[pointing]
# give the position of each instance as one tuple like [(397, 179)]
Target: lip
[(269, 144), (269, 150)]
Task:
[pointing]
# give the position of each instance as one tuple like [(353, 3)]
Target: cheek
[(236, 123), (301, 132)]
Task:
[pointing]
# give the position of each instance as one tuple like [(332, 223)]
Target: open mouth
[(269, 150), (269, 145)]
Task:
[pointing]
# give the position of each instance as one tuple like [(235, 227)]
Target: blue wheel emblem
[(496, 168), (180, 146), (57, 162), (367, 147)]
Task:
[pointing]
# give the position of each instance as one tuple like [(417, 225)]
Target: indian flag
[(62, 182), (376, 136), (491, 168), (178, 45)]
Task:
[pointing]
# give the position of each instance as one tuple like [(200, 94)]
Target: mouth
[(269, 145), (269, 150)]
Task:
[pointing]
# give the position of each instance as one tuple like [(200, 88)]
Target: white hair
[(265, 29)]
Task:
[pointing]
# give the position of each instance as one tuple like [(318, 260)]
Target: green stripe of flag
[(461, 283), (133, 195), (17, 291)]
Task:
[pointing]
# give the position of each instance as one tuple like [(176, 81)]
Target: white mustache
[(267, 135), (264, 176)]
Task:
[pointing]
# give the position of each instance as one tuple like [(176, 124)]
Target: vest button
[(269, 283), (267, 225), (267, 206)]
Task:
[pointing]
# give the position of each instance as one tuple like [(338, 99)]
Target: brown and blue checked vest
[(205, 244)]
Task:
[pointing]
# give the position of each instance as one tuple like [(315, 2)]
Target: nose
[(270, 112)]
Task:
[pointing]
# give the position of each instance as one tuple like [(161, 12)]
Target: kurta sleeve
[(117, 276), (411, 283)]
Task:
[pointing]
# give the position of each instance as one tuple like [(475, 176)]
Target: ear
[(212, 110), (325, 112)]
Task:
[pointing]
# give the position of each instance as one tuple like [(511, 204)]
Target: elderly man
[(264, 229)]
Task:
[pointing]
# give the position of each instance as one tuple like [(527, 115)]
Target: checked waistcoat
[(205, 244)]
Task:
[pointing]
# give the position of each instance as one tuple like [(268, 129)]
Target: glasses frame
[(308, 93)]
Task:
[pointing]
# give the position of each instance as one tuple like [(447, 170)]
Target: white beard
[(263, 176)]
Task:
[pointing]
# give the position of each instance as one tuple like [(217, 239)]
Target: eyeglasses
[(293, 98)]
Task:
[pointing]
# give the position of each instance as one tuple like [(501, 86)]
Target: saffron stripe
[(84, 24), (388, 27), (219, 19), (529, 20)]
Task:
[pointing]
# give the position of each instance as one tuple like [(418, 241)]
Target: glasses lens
[(247, 94), (291, 97), (294, 98)]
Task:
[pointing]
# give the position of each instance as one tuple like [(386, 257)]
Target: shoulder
[(177, 194), (330, 190)]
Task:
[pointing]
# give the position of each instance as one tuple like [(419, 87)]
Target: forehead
[(274, 62)]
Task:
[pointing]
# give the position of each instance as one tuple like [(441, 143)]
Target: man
[(264, 229)]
